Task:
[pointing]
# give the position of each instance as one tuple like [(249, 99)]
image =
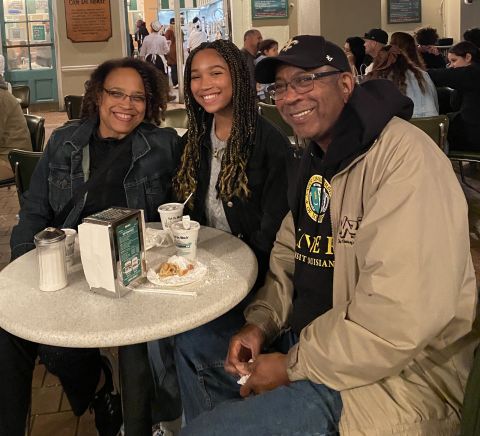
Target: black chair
[(270, 112), (22, 92), (36, 127), (23, 163), (436, 127), (73, 106)]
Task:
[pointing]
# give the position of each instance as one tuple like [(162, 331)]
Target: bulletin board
[(262, 9), (404, 11)]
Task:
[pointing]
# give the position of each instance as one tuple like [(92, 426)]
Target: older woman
[(122, 99)]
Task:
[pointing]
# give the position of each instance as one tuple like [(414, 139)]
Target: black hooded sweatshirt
[(369, 109)]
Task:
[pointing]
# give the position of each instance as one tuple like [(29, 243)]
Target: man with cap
[(155, 47), (374, 39), (363, 326)]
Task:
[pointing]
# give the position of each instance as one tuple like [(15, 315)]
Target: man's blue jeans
[(302, 408), (211, 399), (199, 357)]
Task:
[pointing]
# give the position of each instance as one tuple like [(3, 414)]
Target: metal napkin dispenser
[(112, 250)]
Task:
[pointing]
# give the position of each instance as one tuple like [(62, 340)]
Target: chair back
[(36, 127), (23, 163), (436, 127), (73, 106), (22, 92), (470, 425), (270, 112), (176, 118)]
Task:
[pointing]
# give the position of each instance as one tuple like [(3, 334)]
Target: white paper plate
[(193, 275)]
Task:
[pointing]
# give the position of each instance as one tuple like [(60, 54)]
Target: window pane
[(16, 33), (41, 57), (37, 9), (17, 58), (14, 10), (39, 32)]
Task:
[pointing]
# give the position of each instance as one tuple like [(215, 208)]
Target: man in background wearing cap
[(154, 48), (375, 39), (370, 298)]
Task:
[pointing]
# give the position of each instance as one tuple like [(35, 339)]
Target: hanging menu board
[(88, 20), (269, 9), (404, 11)]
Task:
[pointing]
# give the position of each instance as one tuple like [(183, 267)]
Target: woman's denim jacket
[(63, 169)]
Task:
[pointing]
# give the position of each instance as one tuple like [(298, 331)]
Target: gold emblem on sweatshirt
[(317, 197)]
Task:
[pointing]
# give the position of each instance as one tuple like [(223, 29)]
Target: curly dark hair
[(426, 36), (232, 179), (465, 47), (156, 88), (406, 42), (392, 63)]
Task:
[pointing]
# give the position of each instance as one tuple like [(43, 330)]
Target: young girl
[(234, 162), (268, 47)]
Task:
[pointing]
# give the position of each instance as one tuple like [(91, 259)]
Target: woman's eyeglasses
[(121, 96), (300, 84)]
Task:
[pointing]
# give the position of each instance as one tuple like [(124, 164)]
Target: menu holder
[(112, 249)]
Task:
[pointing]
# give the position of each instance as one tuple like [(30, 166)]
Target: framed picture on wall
[(404, 11), (88, 21), (262, 9)]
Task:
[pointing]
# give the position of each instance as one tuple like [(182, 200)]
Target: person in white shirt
[(197, 35), (154, 48)]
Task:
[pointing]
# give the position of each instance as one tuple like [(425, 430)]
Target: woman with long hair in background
[(393, 64)]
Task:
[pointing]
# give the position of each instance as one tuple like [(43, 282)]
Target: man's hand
[(267, 372), (245, 345)]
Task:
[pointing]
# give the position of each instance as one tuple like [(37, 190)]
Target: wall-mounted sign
[(269, 9), (38, 32), (404, 11), (88, 20)]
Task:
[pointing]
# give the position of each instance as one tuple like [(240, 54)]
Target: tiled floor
[(51, 414)]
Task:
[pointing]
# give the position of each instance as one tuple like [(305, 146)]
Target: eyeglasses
[(300, 84), (121, 96)]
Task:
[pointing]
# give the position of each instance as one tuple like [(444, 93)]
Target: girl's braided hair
[(155, 84), (232, 179)]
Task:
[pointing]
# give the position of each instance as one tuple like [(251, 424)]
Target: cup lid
[(49, 236)]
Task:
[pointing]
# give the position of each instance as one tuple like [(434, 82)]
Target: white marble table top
[(76, 317)]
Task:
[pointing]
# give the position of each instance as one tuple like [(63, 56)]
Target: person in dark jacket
[(140, 33), (234, 161), (117, 112), (464, 78)]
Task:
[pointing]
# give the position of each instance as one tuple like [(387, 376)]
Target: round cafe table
[(76, 317)]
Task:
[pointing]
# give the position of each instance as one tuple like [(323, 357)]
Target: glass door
[(27, 45)]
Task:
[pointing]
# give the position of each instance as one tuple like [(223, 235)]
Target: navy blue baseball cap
[(303, 51)]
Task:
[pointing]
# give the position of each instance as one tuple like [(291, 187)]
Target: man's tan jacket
[(397, 343)]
